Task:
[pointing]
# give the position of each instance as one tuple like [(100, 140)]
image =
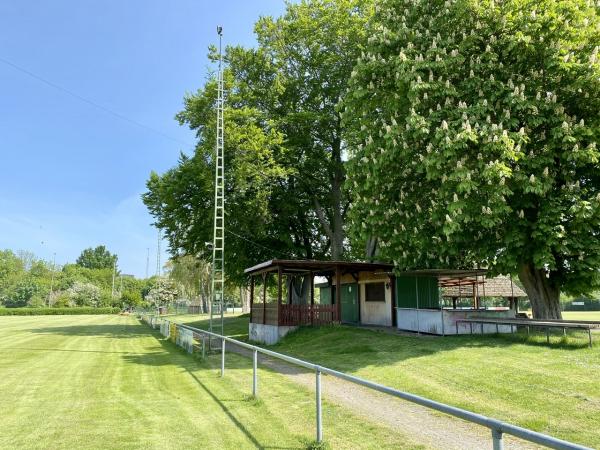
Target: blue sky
[(71, 174)]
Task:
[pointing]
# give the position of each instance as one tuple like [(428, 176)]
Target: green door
[(349, 296)]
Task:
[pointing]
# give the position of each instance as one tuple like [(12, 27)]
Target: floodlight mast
[(218, 244)]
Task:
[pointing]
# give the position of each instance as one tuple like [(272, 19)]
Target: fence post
[(203, 347), (222, 357), (497, 439), (318, 400), (255, 374)]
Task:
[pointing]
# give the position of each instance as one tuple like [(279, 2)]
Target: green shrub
[(55, 311)]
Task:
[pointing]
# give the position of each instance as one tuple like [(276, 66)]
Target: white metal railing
[(497, 427)]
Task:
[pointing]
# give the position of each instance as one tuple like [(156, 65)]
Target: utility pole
[(52, 277), (158, 271), (112, 292), (218, 245), (147, 260)]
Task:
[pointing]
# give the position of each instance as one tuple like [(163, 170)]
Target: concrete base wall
[(444, 321), (267, 334)]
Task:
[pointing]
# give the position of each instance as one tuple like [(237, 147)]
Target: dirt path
[(426, 427)]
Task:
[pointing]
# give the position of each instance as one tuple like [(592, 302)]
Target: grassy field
[(582, 315), (109, 382), (552, 389)]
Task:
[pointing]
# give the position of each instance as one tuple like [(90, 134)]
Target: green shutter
[(325, 293), (427, 288)]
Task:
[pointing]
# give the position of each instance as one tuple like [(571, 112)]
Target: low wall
[(267, 334), (443, 322)]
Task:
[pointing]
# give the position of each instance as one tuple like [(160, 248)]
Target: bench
[(547, 324)]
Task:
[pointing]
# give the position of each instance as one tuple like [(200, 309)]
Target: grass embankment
[(552, 389), (109, 382)]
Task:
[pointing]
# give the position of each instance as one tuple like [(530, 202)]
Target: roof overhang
[(316, 266)]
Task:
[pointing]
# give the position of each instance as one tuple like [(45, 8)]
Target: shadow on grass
[(172, 355)]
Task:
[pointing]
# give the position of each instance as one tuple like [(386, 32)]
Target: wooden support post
[(251, 295), (279, 293), (338, 292), (264, 277), (476, 291), (312, 297), (393, 302)]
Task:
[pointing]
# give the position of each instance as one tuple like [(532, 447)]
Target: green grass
[(582, 315), (110, 382), (552, 389), (235, 325)]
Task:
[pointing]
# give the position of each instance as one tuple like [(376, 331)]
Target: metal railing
[(497, 427)]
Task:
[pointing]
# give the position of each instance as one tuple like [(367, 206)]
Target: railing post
[(222, 357), (318, 400), (255, 374), (203, 347), (497, 439)]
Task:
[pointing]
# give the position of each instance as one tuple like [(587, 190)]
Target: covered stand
[(282, 294), (420, 295)]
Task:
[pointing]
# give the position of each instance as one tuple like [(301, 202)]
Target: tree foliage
[(28, 281), (97, 258), (163, 293), (475, 130), (284, 143)]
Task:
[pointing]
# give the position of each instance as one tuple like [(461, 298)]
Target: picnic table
[(540, 323)]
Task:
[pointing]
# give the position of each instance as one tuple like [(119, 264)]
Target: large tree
[(97, 258), (284, 142), (476, 127)]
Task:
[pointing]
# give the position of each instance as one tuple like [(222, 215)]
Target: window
[(374, 292)]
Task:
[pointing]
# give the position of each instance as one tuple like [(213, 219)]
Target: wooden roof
[(501, 286), (316, 266)]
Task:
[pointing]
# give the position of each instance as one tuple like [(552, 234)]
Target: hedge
[(56, 311)]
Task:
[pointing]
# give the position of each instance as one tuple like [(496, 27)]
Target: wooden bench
[(547, 324)]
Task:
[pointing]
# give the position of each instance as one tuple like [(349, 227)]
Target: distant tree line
[(27, 281)]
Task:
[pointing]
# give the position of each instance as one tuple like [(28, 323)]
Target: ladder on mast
[(218, 248)]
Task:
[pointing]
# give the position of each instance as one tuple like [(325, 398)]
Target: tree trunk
[(371, 248), (543, 296), (337, 184), (245, 298)]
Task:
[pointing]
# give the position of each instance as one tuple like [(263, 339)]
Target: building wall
[(267, 334), (444, 323), (375, 313)]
